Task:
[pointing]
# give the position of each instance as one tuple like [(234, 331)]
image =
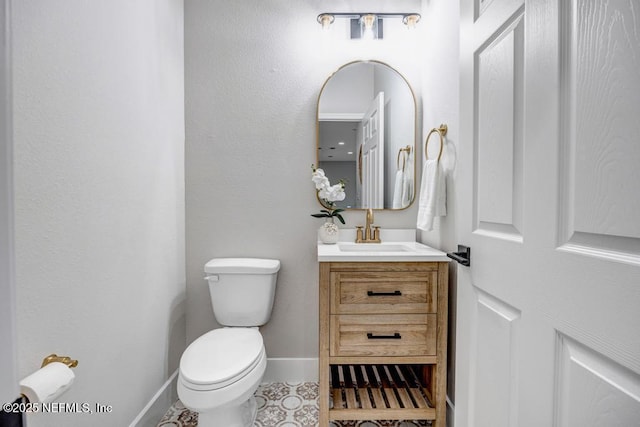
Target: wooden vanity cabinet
[(383, 341)]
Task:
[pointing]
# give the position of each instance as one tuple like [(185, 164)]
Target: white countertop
[(397, 245)]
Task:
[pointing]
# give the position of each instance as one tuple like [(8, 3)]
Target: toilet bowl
[(221, 370), (219, 373)]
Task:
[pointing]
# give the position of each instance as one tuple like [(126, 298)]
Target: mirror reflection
[(367, 135)]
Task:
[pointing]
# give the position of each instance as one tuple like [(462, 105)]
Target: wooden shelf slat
[(417, 396), (377, 398), (336, 393), (351, 398), (383, 414), (364, 398), (404, 397)]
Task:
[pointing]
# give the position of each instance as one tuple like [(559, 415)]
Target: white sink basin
[(397, 245), (372, 247)]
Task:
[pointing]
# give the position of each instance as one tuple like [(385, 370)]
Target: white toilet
[(221, 370)]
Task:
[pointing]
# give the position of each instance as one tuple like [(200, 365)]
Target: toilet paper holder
[(62, 359)]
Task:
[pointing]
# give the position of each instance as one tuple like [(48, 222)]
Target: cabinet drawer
[(383, 335), (383, 292)]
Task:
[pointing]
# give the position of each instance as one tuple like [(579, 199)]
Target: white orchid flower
[(323, 193), (329, 195), (319, 178), (336, 193)]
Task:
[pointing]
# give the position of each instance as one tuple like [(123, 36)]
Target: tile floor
[(282, 405)]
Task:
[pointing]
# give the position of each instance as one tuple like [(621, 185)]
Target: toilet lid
[(220, 355), (242, 266)]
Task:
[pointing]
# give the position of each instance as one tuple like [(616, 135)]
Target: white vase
[(328, 232)]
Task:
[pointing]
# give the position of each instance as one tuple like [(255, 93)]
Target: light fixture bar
[(368, 25), (401, 15)]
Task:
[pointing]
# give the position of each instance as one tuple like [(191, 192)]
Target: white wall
[(440, 95), (253, 72), (99, 187), (8, 380)]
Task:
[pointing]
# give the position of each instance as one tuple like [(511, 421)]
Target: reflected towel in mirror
[(402, 190), (407, 189), (397, 189), (433, 195)]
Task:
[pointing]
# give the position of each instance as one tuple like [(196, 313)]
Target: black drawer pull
[(395, 336), (384, 294)]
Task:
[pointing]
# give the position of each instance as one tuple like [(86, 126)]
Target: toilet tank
[(242, 289)]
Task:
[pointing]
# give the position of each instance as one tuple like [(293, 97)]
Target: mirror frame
[(416, 139)]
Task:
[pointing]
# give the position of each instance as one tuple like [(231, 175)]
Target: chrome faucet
[(371, 232)]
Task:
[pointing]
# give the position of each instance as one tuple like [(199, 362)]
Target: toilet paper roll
[(48, 383)]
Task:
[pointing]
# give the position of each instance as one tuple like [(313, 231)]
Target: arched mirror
[(366, 135)]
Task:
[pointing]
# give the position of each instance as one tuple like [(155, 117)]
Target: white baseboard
[(158, 405), (291, 370)]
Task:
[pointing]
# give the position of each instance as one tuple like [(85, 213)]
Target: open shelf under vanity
[(369, 392)]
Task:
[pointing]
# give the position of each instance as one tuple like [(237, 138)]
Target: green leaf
[(320, 215), (340, 218)]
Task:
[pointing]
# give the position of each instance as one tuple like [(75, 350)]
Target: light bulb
[(369, 27), (411, 20), (326, 20)]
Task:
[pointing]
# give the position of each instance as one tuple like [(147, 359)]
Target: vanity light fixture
[(367, 25)]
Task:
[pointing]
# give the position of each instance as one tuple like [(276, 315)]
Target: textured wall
[(8, 380), (99, 186), (253, 72), (441, 88), (440, 56)]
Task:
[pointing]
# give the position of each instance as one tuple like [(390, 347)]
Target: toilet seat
[(220, 358)]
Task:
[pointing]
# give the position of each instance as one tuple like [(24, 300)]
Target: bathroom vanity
[(383, 331)]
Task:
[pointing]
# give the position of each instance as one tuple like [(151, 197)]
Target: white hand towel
[(433, 195), (407, 189), (397, 190)]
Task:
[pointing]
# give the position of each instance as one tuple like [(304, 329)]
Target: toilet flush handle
[(212, 278)]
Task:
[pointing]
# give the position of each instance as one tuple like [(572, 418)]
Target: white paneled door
[(372, 146), (548, 312)]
